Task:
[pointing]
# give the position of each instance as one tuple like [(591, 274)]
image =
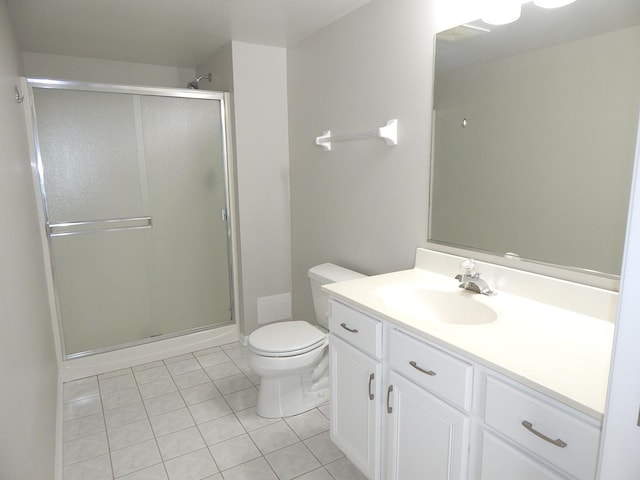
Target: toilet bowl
[(291, 358)]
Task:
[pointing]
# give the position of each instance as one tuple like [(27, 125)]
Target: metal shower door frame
[(51, 230)]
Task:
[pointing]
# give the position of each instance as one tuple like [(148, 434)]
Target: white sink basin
[(458, 307)]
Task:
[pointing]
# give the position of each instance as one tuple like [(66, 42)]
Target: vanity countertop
[(556, 351)]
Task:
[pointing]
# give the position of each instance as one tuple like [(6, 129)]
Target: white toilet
[(292, 357)]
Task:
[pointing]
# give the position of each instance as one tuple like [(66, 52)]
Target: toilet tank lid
[(330, 273)]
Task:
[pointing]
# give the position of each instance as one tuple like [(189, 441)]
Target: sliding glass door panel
[(102, 287), (187, 194), (89, 151)]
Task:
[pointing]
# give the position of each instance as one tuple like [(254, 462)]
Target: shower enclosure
[(134, 185)]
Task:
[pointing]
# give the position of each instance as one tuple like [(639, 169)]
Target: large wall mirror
[(535, 127)]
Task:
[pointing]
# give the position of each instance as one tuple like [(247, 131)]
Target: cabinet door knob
[(371, 377), (557, 442), (389, 390), (352, 330), (426, 372)]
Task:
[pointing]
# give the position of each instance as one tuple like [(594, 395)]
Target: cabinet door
[(426, 438), (502, 461), (356, 406)]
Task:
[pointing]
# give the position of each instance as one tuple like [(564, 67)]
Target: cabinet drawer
[(356, 328), (543, 428), (432, 369)]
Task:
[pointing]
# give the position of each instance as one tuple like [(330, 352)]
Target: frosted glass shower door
[(187, 195), (134, 187)]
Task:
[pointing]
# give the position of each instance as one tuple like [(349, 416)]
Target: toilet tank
[(321, 275)]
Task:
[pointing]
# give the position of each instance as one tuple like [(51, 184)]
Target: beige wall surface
[(364, 204), (28, 367), (60, 67), (262, 169)]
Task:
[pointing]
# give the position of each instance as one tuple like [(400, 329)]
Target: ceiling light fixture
[(552, 3), (500, 12)]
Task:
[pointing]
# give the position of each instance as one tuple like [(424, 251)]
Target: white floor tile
[(157, 472), (257, 469), (178, 358), (151, 374), (243, 399), (171, 422), (183, 366), (82, 426), (120, 398), (191, 379), (164, 403), (343, 469), (209, 410), (221, 429), (79, 389), (222, 370), (129, 434), (251, 421), (85, 448), (147, 366), (274, 437), (323, 448), (308, 424), (179, 443), (213, 358), (97, 468), (233, 452), (112, 384), (81, 408), (125, 414), (200, 393), (318, 474), (192, 466), (157, 388), (233, 383), (114, 373), (134, 458), (291, 462), (206, 351)]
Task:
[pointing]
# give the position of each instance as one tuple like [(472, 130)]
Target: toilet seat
[(286, 339)]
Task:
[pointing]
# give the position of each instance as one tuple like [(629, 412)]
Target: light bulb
[(552, 3), (499, 12)]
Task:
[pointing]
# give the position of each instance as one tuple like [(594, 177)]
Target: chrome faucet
[(470, 279)]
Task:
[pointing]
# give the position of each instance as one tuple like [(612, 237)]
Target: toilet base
[(291, 395)]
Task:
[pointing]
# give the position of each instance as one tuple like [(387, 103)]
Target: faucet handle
[(468, 267)]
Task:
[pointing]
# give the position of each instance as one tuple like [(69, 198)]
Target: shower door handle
[(93, 226)]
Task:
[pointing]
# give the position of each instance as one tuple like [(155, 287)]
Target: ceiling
[(181, 33)]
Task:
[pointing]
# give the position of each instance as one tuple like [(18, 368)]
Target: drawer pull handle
[(352, 330), (389, 390), (426, 372), (557, 442), (371, 377)]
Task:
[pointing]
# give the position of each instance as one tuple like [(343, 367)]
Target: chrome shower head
[(194, 84)]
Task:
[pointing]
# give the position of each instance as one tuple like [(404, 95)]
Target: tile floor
[(191, 417)]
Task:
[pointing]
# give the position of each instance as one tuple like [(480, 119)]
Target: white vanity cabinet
[(355, 348), (406, 408), (535, 431), (426, 437)]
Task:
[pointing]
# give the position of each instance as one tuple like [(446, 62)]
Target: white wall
[(28, 369), (364, 204), (41, 65), (221, 68), (262, 169)]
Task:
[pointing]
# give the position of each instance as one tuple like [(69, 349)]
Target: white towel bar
[(388, 132)]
